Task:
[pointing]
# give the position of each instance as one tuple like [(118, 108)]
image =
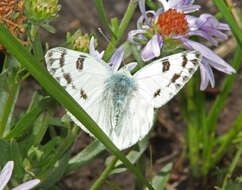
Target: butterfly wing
[(162, 79), (83, 77)]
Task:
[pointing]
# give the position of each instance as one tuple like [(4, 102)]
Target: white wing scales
[(162, 79), (83, 76)]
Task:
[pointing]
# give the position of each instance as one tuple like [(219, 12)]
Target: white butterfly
[(121, 104)]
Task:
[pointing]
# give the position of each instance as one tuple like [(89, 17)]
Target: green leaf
[(55, 173), (230, 20), (5, 152), (90, 153), (101, 12), (49, 28), (159, 181), (115, 187), (27, 120), (231, 185), (53, 87), (11, 87), (15, 154), (133, 156)]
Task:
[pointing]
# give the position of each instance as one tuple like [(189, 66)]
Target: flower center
[(172, 23)]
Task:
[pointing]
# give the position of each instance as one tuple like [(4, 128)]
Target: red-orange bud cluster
[(171, 23), (8, 8)]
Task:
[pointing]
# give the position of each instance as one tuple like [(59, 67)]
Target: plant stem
[(123, 25), (105, 174)]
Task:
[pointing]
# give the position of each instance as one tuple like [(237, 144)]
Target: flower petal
[(131, 65), (203, 35), (188, 8), (208, 72), (142, 7), (92, 50), (204, 77), (213, 59), (134, 33), (116, 59), (27, 185), (6, 174), (152, 48)]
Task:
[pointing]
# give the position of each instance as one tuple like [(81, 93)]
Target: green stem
[(104, 175), (193, 145), (123, 25)]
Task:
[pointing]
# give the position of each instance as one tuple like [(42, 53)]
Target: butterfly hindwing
[(162, 79)]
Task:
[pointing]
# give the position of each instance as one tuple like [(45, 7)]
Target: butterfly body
[(120, 103)]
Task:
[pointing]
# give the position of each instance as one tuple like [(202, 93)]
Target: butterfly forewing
[(162, 79), (83, 77)]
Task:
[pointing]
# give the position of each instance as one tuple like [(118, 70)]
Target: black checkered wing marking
[(162, 79)]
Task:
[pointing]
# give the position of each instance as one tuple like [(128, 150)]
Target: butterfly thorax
[(120, 87)]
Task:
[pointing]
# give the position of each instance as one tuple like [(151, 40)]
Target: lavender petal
[(134, 33), (6, 174), (92, 50), (152, 48), (203, 35), (214, 60), (188, 8), (116, 59), (208, 71), (131, 65), (27, 185), (204, 77)]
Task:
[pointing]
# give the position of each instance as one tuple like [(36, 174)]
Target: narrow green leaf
[(101, 12), (16, 156), (230, 20), (133, 156), (90, 153), (27, 120), (5, 152), (229, 137), (216, 109), (11, 87), (122, 27), (115, 187), (49, 28), (159, 181), (52, 86), (54, 173)]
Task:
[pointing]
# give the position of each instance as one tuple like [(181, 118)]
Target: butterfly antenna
[(105, 37)]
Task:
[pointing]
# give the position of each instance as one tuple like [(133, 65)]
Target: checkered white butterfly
[(121, 104)]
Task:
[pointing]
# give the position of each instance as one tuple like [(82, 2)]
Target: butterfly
[(121, 104)]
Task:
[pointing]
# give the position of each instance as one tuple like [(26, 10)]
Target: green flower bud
[(78, 41), (41, 11)]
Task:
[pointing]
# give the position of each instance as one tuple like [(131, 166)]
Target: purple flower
[(6, 173), (171, 24), (115, 60)]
